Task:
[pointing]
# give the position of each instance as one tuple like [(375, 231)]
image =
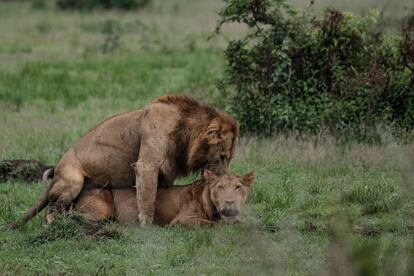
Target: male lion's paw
[(145, 221)]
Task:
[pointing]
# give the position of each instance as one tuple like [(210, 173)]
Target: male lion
[(172, 136), (206, 201)]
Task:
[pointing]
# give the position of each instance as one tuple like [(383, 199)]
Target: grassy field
[(316, 207)]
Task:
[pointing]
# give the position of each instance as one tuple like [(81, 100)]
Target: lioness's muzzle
[(227, 212)]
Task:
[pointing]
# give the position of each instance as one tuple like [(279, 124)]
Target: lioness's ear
[(248, 179), (209, 175)]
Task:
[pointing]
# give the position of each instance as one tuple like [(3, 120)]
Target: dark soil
[(24, 170)]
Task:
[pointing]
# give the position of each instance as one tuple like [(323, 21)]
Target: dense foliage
[(105, 4), (337, 73)]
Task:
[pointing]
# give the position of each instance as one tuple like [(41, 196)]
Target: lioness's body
[(171, 203), (144, 148), (195, 204)]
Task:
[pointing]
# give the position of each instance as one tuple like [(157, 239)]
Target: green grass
[(315, 208)]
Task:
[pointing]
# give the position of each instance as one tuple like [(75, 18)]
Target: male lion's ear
[(213, 129), (209, 175), (248, 179)]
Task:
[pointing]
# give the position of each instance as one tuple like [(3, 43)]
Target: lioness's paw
[(230, 220)]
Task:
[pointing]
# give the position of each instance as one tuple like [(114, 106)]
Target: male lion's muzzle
[(218, 167)]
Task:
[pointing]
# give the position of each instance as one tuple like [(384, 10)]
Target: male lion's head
[(220, 142), (205, 136), (214, 145), (228, 193)]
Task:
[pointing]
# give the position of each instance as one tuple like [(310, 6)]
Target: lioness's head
[(228, 193)]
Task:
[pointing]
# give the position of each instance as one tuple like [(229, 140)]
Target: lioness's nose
[(229, 201)]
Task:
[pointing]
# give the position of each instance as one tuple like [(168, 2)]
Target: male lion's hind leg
[(65, 190), (67, 182), (50, 214), (50, 211)]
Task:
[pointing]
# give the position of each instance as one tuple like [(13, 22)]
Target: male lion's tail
[(39, 205)]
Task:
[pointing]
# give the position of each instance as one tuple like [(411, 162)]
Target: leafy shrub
[(293, 71), (105, 4)]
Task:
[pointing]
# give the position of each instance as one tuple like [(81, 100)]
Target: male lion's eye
[(220, 188), (237, 188), (213, 133)]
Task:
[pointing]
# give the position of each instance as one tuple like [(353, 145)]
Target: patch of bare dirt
[(24, 170)]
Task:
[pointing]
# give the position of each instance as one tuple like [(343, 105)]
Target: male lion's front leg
[(153, 153), (146, 185)]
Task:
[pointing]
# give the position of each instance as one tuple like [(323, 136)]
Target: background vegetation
[(294, 71), (96, 4), (317, 207)]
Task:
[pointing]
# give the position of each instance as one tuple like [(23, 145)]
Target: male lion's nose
[(229, 201)]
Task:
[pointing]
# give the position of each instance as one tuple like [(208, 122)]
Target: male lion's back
[(107, 151)]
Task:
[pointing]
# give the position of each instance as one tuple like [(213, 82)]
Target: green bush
[(103, 4), (296, 72)]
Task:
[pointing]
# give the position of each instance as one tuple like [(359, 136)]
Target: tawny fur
[(206, 201), (171, 137)]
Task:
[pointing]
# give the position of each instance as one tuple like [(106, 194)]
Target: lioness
[(172, 136), (205, 201)]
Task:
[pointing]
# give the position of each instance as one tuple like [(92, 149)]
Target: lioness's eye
[(220, 187), (238, 187)]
